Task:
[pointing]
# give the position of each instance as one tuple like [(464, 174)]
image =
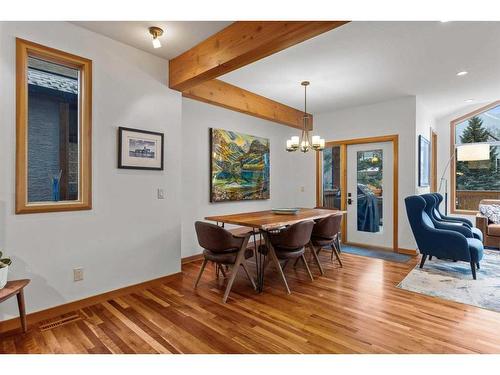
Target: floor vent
[(51, 324)]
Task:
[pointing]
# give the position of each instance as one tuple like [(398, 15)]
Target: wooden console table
[(16, 288)]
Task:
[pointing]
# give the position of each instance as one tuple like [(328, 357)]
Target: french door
[(358, 176)]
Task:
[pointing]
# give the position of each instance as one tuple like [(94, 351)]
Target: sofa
[(491, 231)]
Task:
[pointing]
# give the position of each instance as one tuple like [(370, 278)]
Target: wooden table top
[(12, 287), (267, 220)]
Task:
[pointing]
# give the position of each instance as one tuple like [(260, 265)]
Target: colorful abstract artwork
[(239, 166)]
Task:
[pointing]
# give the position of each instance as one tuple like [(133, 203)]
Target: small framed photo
[(140, 149)]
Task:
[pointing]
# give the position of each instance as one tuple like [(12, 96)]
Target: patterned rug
[(453, 281)]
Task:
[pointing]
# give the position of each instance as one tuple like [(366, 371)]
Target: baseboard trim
[(35, 317), (192, 258), (408, 252)]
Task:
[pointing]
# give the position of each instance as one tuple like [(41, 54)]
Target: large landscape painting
[(239, 166)]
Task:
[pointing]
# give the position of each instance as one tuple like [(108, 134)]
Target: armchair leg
[(430, 257), (473, 269), (478, 267), (424, 257)]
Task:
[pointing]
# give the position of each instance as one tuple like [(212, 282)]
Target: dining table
[(262, 223)]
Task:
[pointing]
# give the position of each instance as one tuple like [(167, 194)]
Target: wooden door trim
[(434, 140), (394, 138)]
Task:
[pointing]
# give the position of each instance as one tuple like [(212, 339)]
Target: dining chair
[(326, 233), (224, 249), (289, 244)]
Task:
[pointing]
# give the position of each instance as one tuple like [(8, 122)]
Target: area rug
[(453, 281), (379, 254)]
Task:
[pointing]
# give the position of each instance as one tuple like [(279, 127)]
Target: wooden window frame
[(453, 182), (24, 49)]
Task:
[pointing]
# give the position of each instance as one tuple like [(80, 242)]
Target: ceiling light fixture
[(156, 32), (462, 73), (468, 100), (304, 142)]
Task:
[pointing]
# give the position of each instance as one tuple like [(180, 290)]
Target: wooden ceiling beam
[(228, 96), (237, 45)]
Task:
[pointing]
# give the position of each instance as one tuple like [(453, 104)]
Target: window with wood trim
[(475, 177), (53, 140)]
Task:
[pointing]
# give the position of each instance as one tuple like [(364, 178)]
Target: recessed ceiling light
[(462, 73), (468, 100), (156, 32), (444, 21)]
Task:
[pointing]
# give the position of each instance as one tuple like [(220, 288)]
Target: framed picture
[(239, 166), (424, 165), (140, 149)]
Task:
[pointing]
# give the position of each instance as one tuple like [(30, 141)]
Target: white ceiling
[(369, 62), (178, 36)]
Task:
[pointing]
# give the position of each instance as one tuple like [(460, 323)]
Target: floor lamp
[(464, 152)]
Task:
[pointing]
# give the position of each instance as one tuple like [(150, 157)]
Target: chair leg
[(337, 255), (339, 248), (221, 269), (295, 263), (248, 275), (316, 258), (307, 266), (276, 262), (473, 269), (239, 259), (422, 261), (285, 264), (205, 261)]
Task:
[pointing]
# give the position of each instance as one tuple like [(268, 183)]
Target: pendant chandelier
[(304, 143)]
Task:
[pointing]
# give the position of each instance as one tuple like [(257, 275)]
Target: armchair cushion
[(494, 230), (476, 249)]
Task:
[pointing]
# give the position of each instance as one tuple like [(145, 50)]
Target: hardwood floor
[(355, 309)]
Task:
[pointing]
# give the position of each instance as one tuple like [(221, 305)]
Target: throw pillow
[(491, 211)]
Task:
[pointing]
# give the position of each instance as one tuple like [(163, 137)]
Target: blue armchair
[(441, 216), (441, 243), (437, 215)]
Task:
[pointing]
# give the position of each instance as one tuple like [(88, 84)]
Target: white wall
[(129, 236), (386, 118), (424, 122), (288, 171)]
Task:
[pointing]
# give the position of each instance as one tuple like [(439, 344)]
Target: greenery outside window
[(473, 181)]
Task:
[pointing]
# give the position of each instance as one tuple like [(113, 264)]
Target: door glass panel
[(369, 191), (53, 150), (331, 177)]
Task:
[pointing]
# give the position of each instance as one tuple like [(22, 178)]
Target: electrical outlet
[(161, 193), (302, 189), (78, 274)]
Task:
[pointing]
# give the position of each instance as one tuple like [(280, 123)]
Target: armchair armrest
[(455, 226), (444, 243)]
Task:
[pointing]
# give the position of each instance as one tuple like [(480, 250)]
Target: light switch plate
[(78, 274), (161, 193)]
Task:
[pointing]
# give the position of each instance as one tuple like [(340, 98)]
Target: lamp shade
[(473, 152)]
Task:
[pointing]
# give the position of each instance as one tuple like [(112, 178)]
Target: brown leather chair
[(326, 233), (223, 248), (288, 244), (491, 231)]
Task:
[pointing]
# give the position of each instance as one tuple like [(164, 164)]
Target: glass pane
[(369, 191), (477, 180), (53, 150), (480, 179), (331, 177)]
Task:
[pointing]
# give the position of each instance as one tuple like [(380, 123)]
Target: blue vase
[(55, 189)]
